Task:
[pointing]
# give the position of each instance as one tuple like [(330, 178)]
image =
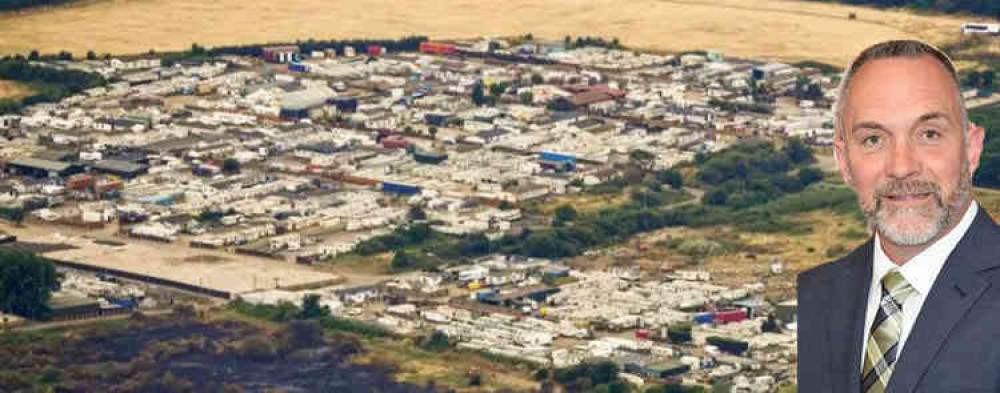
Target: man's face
[(903, 150)]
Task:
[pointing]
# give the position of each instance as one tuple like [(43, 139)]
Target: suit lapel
[(955, 290), (846, 322)]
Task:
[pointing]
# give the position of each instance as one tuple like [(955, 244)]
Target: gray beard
[(938, 216)]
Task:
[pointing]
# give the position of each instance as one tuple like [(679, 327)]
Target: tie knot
[(896, 285)]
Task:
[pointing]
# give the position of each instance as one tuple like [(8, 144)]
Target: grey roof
[(304, 99), (49, 165), (119, 166)]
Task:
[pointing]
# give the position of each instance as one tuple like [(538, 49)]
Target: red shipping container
[(730, 316), (642, 334), (80, 182), (374, 50), (392, 143), (436, 48)]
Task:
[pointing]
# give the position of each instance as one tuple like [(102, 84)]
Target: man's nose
[(903, 161)]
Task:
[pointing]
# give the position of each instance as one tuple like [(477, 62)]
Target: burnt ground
[(176, 355)]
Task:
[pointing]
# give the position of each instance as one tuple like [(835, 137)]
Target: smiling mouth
[(908, 197)]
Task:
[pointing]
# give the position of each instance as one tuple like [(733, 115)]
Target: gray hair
[(888, 50)]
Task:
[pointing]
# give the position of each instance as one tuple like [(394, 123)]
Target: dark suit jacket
[(954, 345)]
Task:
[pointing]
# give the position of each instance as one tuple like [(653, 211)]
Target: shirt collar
[(921, 270)]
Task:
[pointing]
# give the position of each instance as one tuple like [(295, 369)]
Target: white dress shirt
[(920, 271)]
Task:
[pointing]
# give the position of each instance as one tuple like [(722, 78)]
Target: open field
[(205, 268), (772, 29), (13, 90)]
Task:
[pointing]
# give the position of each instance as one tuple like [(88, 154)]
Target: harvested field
[(772, 29)]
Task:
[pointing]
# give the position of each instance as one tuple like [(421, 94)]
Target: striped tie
[(880, 355)]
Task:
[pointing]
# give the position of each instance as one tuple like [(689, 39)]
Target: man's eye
[(930, 134), (871, 141)]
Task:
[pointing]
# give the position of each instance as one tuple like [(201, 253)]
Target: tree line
[(978, 7), (50, 84), (14, 5), (26, 282)]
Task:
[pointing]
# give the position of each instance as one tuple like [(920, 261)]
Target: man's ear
[(840, 156), (974, 145)]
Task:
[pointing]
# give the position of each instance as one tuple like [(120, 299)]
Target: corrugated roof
[(119, 166), (39, 163)]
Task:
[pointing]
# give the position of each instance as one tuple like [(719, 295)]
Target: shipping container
[(704, 318), (437, 48), (395, 143), (556, 157), (298, 67), (399, 188), (374, 50), (80, 182), (728, 316), (643, 334)]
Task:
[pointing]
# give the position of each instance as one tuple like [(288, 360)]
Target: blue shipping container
[(550, 156), (400, 188), (298, 67), (704, 318)]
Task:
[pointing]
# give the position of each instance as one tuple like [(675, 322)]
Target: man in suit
[(917, 307)]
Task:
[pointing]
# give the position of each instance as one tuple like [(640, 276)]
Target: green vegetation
[(735, 106), (753, 173), (26, 282), (988, 174), (986, 8), (50, 84), (286, 312), (14, 5), (581, 42), (600, 376)]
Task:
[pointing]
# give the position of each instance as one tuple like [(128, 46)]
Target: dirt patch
[(14, 90), (205, 259)]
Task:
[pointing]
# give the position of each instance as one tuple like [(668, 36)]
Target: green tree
[(478, 95), (642, 159), (311, 309), (973, 79), (34, 56), (433, 131), (671, 177), (91, 55), (527, 98), (497, 89), (400, 261), (565, 213), (230, 165), (798, 152), (416, 213), (26, 282), (988, 78), (537, 79), (809, 176)]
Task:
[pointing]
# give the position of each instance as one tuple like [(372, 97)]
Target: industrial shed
[(118, 168), (37, 167)]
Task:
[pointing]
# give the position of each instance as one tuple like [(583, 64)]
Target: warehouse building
[(37, 167), (124, 169)]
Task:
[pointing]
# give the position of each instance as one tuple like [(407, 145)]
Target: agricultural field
[(768, 29)]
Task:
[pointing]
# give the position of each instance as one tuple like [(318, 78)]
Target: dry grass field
[(772, 29), (13, 90)]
